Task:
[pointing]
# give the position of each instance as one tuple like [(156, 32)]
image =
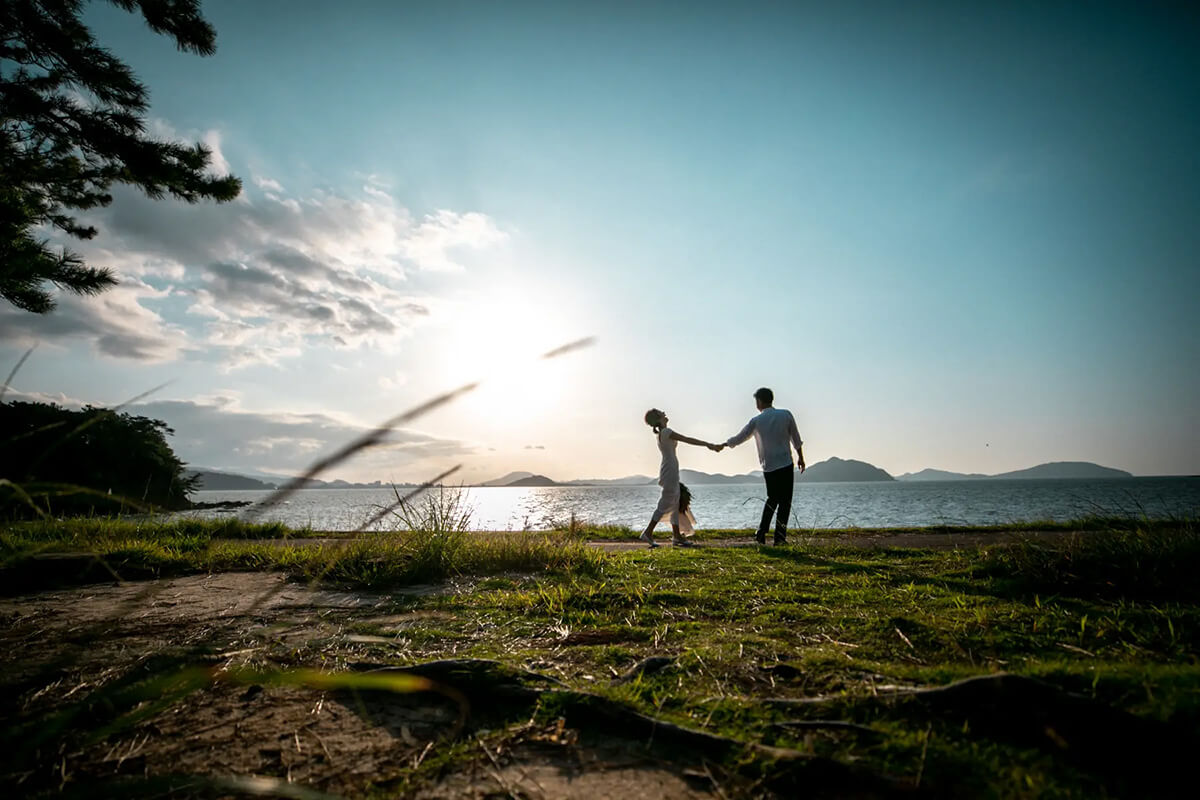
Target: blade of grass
[(377, 434), (400, 501), (329, 565), (369, 439), (569, 347), (20, 363), (24, 497)]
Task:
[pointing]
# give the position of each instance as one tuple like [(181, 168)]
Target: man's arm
[(741, 436), (794, 435)]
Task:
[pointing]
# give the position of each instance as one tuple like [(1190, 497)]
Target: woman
[(668, 479)]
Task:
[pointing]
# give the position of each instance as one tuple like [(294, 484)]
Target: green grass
[(1092, 523), (136, 549), (81, 531), (1149, 563), (747, 624), (1110, 614)]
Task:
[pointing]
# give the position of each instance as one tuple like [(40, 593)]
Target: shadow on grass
[(806, 557), (1141, 565)]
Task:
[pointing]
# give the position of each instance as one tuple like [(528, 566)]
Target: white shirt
[(774, 431)]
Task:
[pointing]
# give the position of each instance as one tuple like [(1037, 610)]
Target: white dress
[(668, 479)]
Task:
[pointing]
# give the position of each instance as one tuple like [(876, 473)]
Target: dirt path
[(928, 541), (874, 539), (62, 649)]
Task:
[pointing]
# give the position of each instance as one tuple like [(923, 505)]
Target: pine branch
[(72, 124)]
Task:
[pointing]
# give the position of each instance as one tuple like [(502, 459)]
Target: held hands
[(716, 448)]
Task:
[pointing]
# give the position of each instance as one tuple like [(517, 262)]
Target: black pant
[(779, 497)]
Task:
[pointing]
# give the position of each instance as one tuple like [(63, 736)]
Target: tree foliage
[(72, 123), (67, 461)]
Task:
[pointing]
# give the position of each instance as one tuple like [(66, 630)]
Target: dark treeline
[(89, 461)]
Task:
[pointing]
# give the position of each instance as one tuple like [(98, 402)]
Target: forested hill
[(223, 481)]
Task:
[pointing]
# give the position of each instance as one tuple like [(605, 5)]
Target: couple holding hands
[(774, 431)]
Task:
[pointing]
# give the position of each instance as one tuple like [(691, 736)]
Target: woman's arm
[(679, 437)]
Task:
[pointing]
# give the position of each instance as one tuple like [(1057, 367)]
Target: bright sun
[(499, 342)]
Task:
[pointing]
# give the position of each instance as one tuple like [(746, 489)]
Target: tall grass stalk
[(435, 526)]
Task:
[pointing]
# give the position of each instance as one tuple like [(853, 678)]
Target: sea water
[(816, 505)]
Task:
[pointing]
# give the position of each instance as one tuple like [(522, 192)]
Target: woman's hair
[(685, 497), (652, 417)]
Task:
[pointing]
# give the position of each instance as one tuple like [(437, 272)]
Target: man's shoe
[(780, 541), (761, 538)]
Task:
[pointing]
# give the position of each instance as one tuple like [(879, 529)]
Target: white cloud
[(217, 165), (58, 398), (268, 184), (434, 242), (393, 382), (259, 279), (116, 322), (218, 433)]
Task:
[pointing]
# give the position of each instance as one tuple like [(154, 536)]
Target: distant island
[(1055, 470), (941, 475), (833, 470), (533, 480)]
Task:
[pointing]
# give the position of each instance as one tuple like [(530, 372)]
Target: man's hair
[(765, 396)]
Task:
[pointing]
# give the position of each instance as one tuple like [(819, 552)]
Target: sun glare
[(500, 342)]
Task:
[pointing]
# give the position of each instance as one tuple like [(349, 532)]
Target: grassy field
[(805, 649)]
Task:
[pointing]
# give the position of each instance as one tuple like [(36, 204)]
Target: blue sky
[(948, 235)]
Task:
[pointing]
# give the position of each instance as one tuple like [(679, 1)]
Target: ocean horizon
[(871, 504)]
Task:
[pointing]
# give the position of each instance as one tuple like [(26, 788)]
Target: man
[(774, 431)]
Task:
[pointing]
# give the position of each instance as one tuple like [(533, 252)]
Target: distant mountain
[(940, 475), (219, 480), (1055, 470), (533, 480), (224, 481), (507, 480), (1066, 469), (837, 469)]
